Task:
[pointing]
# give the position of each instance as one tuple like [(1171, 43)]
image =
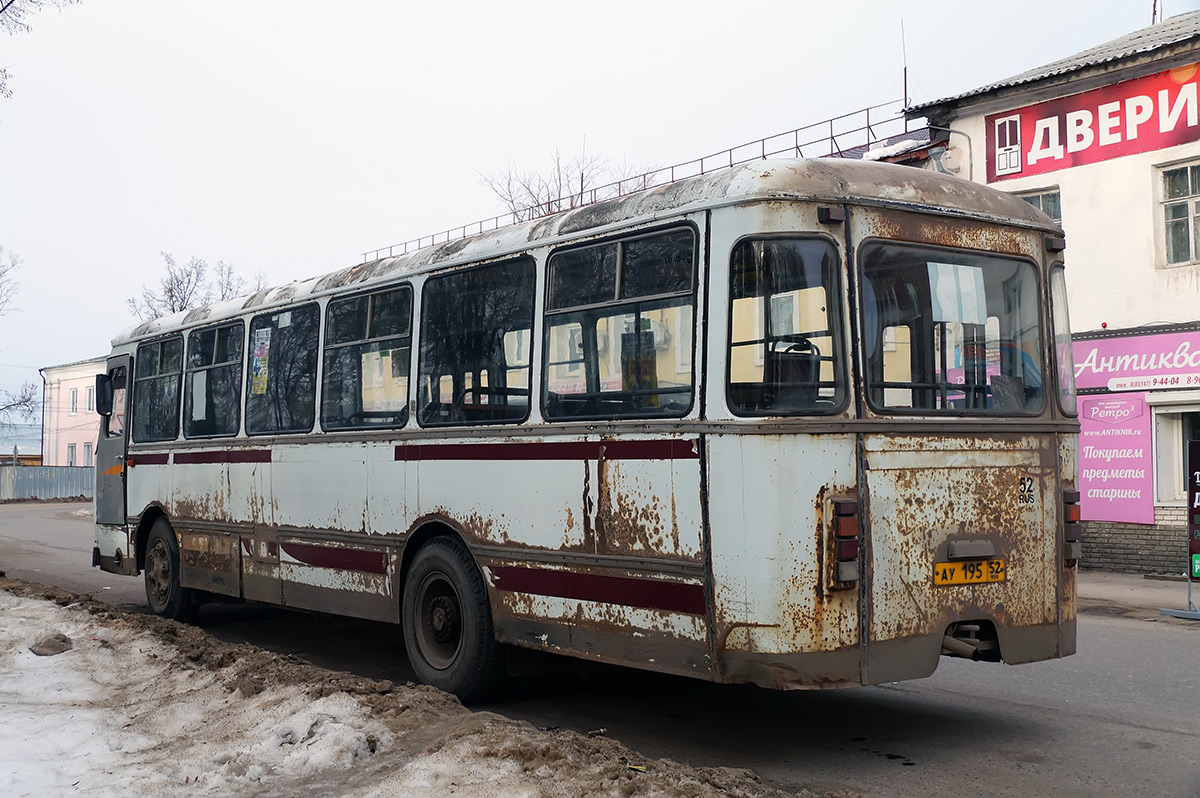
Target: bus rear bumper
[(816, 670), (112, 551), (886, 661), (918, 657)]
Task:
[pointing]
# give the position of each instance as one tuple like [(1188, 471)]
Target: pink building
[(69, 421)]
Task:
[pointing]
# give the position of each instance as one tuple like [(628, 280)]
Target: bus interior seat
[(791, 372)]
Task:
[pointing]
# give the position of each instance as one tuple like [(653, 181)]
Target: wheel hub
[(443, 620)]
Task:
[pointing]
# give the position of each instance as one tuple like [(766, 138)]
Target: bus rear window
[(950, 331)]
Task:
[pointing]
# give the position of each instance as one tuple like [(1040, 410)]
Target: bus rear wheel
[(166, 597), (447, 622)]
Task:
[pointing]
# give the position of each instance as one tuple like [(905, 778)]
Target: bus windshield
[(948, 331)]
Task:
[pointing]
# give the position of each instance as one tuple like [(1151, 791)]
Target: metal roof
[(1180, 28)]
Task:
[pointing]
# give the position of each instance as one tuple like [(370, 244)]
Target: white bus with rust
[(802, 423)]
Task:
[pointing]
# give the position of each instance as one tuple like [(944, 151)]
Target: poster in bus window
[(260, 354)]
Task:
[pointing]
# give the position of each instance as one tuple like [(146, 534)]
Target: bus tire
[(166, 597), (447, 622)]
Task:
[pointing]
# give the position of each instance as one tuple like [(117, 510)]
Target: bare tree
[(227, 284), (13, 15), (188, 286), (9, 263), (24, 403), (568, 182)]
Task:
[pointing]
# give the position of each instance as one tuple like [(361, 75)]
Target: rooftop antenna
[(1155, 12), (904, 56)]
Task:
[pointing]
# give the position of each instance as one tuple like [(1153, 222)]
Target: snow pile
[(116, 714), (139, 706), (880, 151)]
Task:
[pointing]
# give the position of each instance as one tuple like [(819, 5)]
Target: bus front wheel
[(166, 597), (448, 623)]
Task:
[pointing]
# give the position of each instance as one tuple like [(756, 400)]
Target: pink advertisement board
[(1116, 467), (1138, 363)]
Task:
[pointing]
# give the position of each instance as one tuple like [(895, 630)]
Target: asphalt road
[(1121, 717)]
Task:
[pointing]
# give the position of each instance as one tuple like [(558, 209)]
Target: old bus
[(801, 423)]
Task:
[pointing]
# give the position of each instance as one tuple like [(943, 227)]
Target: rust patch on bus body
[(630, 517), (923, 494), (209, 506), (950, 232), (600, 630)]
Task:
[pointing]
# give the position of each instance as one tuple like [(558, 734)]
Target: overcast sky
[(290, 137)]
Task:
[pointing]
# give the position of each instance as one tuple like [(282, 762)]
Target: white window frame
[(74, 401), (91, 398), (88, 459), (1192, 218), (1040, 204), (70, 454), (1167, 437)]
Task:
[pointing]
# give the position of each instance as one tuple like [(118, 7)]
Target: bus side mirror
[(104, 395)]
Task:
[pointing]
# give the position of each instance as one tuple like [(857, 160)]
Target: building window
[(74, 401), (1174, 426), (87, 455), (70, 454), (1181, 213), (1048, 202), (91, 399)]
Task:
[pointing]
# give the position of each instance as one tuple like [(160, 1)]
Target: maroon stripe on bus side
[(371, 562), (230, 456), (649, 594), (686, 449), (148, 459)]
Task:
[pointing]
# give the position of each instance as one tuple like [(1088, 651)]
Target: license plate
[(968, 572)]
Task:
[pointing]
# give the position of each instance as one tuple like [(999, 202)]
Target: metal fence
[(46, 482)]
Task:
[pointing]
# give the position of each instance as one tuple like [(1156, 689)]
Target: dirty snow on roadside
[(139, 706)]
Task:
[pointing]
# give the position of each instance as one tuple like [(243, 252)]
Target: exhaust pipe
[(954, 647)]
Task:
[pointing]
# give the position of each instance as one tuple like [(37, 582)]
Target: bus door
[(112, 445), (960, 486), (113, 550)]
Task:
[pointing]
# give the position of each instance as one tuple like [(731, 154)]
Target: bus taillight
[(846, 533), (1072, 529)]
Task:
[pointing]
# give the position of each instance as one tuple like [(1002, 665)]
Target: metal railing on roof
[(848, 135)]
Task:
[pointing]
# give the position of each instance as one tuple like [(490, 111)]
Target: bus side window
[(473, 322), (212, 395), (281, 396), (367, 351), (784, 349), (619, 329), (156, 390)]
